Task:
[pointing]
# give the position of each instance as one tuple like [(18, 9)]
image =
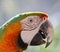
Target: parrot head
[(39, 28), (26, 29)]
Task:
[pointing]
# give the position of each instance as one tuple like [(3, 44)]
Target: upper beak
[(48, 32), (49, 36), (48, 43)]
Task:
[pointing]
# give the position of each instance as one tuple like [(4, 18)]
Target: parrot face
[(40, 28)]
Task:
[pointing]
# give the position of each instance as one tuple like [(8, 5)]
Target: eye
[(30, 20)]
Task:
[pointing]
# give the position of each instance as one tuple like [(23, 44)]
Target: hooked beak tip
[(47, 44)]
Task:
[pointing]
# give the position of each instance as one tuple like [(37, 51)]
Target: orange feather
[(9, 43)]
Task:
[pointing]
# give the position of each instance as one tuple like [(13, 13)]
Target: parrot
[(37, 23)]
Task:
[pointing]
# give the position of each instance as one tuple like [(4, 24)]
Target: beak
[(48, 29), (48, 32), (44, 35), (48, 43), (49, 36)]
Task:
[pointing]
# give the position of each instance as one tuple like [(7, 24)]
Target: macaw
[(12, 39)]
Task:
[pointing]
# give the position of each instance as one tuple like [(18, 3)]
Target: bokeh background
[(10, 8)]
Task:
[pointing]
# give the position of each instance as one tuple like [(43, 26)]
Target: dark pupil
[(30, 20)]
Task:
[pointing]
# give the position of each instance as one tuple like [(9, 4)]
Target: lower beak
[(39, 38)]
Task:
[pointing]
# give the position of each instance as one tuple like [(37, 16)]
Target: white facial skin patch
[(27, 36), (30, 27), (30, 23)]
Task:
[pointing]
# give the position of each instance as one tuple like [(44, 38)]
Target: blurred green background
[(10, 8)]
